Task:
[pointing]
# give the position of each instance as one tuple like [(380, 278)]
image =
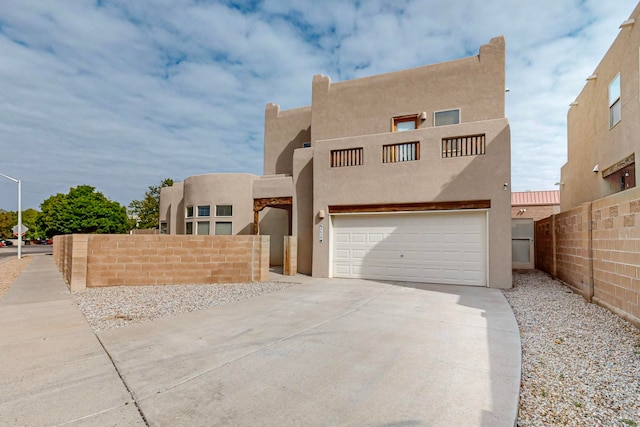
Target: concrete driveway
[(329, 352)]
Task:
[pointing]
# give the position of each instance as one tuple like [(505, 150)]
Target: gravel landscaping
[(120, 306), (581, 363)]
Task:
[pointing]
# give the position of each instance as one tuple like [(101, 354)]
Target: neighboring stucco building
[(534, 205), (401, 176), (603, 124), (526, 208)]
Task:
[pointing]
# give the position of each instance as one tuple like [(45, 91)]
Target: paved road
[(9, 251)]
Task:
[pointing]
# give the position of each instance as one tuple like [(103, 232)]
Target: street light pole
[(19, 212)]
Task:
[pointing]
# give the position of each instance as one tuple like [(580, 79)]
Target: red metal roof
[(528, 198)]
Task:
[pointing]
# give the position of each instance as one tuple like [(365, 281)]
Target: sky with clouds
[(122, 94)]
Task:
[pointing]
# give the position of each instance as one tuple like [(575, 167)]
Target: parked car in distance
[(7, 242)]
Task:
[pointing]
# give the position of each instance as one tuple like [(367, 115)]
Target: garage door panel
[(376, 237), (431, 247)]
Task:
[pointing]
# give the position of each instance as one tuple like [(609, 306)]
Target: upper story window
[(224, 210), (459, 146), (347, 157), (189, 212), (403, 152), (403, 123), (204, 210), (447, 117), (189, 228), (615, 113), (164, 229)]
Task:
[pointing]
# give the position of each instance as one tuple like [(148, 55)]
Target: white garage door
[(447, 248)]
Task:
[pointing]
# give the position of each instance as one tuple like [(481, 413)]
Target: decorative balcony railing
[(470, 145), (404, 152), (346, 157)]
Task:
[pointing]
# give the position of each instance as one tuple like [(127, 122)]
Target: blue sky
[(122, 94)]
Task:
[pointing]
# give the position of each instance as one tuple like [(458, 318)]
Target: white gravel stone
[(581, 363), (120, 306)]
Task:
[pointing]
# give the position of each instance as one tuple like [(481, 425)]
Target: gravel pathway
[(581, 363)]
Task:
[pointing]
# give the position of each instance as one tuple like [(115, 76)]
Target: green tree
[(29, 220), (8, 220), (82, 210), (146, 212)]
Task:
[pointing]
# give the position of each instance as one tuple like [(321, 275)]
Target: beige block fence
[(93, 260), (595, 249)]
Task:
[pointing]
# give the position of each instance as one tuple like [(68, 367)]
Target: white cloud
[(120, 95)]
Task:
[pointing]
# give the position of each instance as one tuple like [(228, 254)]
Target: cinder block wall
[(572, 248), (93, 260), (597, 251), (616, 251)]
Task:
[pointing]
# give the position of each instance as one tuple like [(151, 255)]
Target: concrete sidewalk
[(324, 352), (53, 369)]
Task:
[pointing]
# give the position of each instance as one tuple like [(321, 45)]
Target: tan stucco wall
[(275, 223), (303, 218), (284, 131), (172, 207), (223, 189), (590, 141), (273, 186), (365, 106), (432, 178)]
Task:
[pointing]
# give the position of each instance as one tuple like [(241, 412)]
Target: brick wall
[(595, 249), (92, 260)]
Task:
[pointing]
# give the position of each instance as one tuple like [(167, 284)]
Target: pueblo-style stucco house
[(603, 124), (402, 176)]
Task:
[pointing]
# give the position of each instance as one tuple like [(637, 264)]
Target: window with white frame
[(615, 108), (189, 228), (189, 212), (224, 210), (204, 210), (202, 228), (447, 117), (164, 229), (223, 228)]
